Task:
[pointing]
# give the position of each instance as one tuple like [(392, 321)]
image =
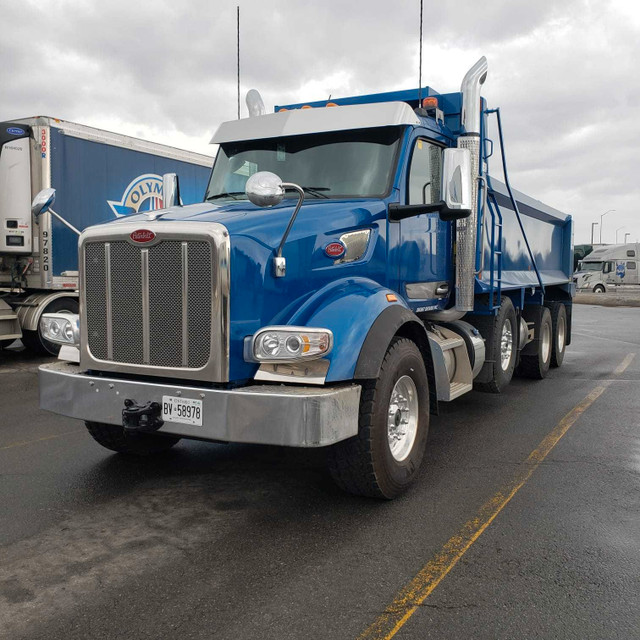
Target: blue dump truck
[(353, 265), (98, 176)]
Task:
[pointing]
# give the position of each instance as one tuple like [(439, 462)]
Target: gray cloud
[(562, 73)]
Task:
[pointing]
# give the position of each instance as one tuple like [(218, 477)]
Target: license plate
[(184, 410)]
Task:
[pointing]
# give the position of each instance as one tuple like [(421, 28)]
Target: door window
[(424, 173)]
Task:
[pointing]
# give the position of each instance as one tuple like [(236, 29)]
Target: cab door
[(424, 266), (630, 272)]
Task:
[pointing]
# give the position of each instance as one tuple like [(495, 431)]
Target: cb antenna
[(420, 62), (238, 49)]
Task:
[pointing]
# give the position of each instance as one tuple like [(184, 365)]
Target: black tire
[(34, 341), (560, 326), (536, 365), (599, 288), (493, 376), (115, 438), (365, 465)]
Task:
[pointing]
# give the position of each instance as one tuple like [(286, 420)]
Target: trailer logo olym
[(143, 193)]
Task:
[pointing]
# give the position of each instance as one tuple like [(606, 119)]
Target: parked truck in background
[(607, 267), (353, 265), (98, 176)]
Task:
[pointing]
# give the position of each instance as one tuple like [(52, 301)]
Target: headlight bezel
[(61, 328), (288, 344)]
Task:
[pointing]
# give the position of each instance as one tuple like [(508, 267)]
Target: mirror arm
[(59, 217), (289, 185), (399, 212)]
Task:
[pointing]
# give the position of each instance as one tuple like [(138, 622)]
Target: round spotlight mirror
[(264, 189)]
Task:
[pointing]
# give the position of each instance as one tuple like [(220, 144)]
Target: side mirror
[(456, 191), (456, 184), (265, 189), (170, 190), (42, 202)]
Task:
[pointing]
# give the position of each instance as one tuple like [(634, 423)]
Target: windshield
[(353, 164), (590, 266)]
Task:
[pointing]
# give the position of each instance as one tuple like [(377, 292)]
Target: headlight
[(288, 344), (61, 328)]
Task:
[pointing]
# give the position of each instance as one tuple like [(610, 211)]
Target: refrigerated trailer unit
[(98, 176), (353, 265)]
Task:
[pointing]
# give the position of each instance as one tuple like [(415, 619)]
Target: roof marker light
[(331, 104), (306, 106), (430, 103)]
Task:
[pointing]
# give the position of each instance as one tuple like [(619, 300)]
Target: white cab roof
[(298, 122)]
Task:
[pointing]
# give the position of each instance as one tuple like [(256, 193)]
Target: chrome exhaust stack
[(466, 227)]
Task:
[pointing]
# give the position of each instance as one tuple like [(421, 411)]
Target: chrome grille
[(149, 305)]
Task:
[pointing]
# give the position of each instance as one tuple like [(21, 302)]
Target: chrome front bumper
[(277, 415)]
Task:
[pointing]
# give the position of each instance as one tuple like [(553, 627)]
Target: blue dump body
[(97, 183)]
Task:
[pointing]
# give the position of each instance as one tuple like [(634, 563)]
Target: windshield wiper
[(229, 194), (315, 191)]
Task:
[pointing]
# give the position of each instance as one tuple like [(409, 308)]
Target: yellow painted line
[(409, 599), (26, 442)]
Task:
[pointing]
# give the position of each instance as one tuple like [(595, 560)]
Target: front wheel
[(386, 455), (599, 288), (115, 438)]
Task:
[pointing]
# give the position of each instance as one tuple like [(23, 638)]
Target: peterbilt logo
[(142, 235), (335, 249)]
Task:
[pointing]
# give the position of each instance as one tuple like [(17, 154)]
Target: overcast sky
[(566, 75)]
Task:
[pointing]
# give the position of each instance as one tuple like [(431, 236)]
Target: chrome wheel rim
[(506, 345), (402, 418), (561, 332), (545, 344)]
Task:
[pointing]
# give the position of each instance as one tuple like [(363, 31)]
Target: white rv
[(607, 267)]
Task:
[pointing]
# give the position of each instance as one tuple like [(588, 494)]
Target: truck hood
[(266, 225)]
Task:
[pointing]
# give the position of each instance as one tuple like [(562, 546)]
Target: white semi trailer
[(98, 176)]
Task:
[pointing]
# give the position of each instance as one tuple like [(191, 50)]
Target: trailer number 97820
[(184, 410)]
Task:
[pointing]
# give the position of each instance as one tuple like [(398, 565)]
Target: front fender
[(349, 308)]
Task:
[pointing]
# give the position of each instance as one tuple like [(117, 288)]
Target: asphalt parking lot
[(524, 524)]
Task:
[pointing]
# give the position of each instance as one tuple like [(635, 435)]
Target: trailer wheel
[(559, 324), (599, 288), (385, 457), (114, 437), (34, 341), (536, 365), (501, 343)]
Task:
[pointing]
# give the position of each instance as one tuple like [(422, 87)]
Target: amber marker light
[(430, 103), (331, 104), (391, 297)]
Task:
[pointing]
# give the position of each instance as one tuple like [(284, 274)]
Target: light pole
[(602, 216), (593, 225), (618, 229), (625, 237)]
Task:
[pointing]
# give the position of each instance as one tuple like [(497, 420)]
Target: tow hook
[(141, 417)]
